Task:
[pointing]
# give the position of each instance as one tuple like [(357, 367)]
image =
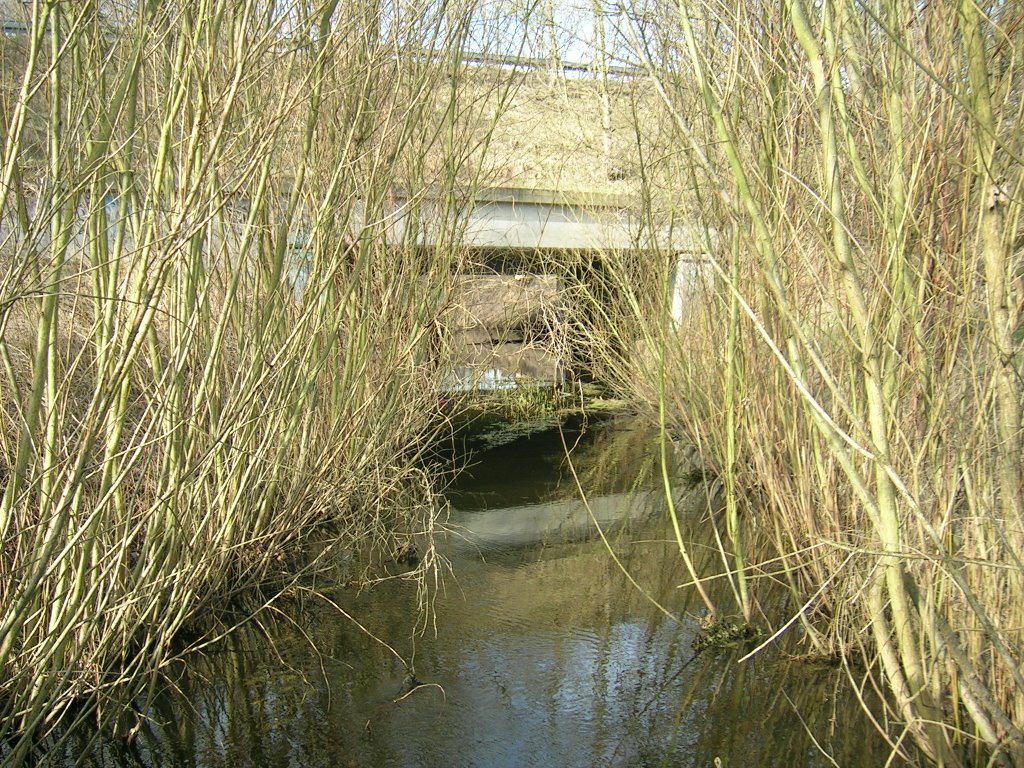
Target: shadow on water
[(544, 654)]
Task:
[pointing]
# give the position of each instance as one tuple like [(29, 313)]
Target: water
[(543, 653)]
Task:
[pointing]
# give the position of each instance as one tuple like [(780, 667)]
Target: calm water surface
[(543, 651)]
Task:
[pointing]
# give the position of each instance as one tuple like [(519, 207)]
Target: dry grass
[(179, 416), (852, 373), (214, 354)]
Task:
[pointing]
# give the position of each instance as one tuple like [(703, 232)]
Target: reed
[(849, 366), (215, 339)]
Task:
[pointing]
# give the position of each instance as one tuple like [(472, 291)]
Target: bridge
[(532, 220), (505, 320), (540, 220)]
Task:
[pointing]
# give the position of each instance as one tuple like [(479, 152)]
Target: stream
[(542, 648)]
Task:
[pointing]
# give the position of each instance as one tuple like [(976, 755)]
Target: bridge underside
[(504, 330), (510, 325)]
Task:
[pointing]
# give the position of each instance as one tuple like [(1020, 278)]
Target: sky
[(565, 30)]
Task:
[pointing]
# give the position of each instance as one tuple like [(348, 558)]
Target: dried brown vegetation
[(214, 343), (850, 365), (213, 338)]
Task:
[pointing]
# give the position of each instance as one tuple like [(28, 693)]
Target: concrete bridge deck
[(520, 219)]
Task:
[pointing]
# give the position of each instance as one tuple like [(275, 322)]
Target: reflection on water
[(544, 655), (466, 379)]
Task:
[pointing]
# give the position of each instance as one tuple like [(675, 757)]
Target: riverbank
[(852, 372), (206, 367)]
